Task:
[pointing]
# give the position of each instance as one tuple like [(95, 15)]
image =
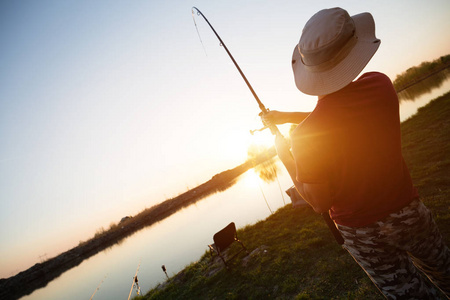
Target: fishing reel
[(252, 132)]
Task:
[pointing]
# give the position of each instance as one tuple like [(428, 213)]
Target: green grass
[(294, 256), (426, 148)]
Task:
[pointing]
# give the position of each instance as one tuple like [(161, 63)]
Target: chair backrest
[(225, 237)]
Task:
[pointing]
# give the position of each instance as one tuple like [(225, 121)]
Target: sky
[(109, 107)]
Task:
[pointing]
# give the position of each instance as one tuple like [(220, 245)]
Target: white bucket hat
[(333, 49)]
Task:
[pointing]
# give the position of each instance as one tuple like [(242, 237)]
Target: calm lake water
[(175, 242), (183, 237)]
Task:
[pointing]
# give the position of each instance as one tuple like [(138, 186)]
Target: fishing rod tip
[(198, 11)]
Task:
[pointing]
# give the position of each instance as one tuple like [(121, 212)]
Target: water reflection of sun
[(251, 179)]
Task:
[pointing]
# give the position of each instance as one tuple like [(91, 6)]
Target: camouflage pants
[(393, 250)]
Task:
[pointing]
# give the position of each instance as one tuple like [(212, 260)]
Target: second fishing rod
[(273, 128)]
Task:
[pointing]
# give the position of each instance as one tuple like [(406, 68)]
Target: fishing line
[(279, 185), (259, 184), (264, 196), (198, 33)]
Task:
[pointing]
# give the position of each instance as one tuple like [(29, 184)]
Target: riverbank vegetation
[(292, 253), (420, 72)]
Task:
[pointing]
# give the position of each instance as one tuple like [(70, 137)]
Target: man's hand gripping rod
[(273, 128)]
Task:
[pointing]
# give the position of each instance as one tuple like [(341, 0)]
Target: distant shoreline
[(421, 78), (419, 73)]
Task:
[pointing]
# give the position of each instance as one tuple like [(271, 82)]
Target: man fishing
[(346, 158)]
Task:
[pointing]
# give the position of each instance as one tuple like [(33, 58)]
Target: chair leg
[(210, 250), (224, 262), (242, 244)]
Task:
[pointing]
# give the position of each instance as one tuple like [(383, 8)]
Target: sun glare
[(239, 145), (263, 139), (251, 179)]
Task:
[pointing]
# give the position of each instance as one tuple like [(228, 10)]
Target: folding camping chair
[(296, 199), (223, 239)]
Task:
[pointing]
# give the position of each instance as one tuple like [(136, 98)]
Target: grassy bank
[(294, 256)]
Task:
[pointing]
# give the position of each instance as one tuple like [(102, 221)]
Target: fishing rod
[(98, 287), (273, 128), (135, 282)]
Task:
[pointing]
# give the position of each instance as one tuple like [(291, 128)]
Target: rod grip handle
[(336, 233)]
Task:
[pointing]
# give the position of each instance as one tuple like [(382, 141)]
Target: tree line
[(417, 73)]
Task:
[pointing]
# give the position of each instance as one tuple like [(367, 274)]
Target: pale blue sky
[(108, 107)]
